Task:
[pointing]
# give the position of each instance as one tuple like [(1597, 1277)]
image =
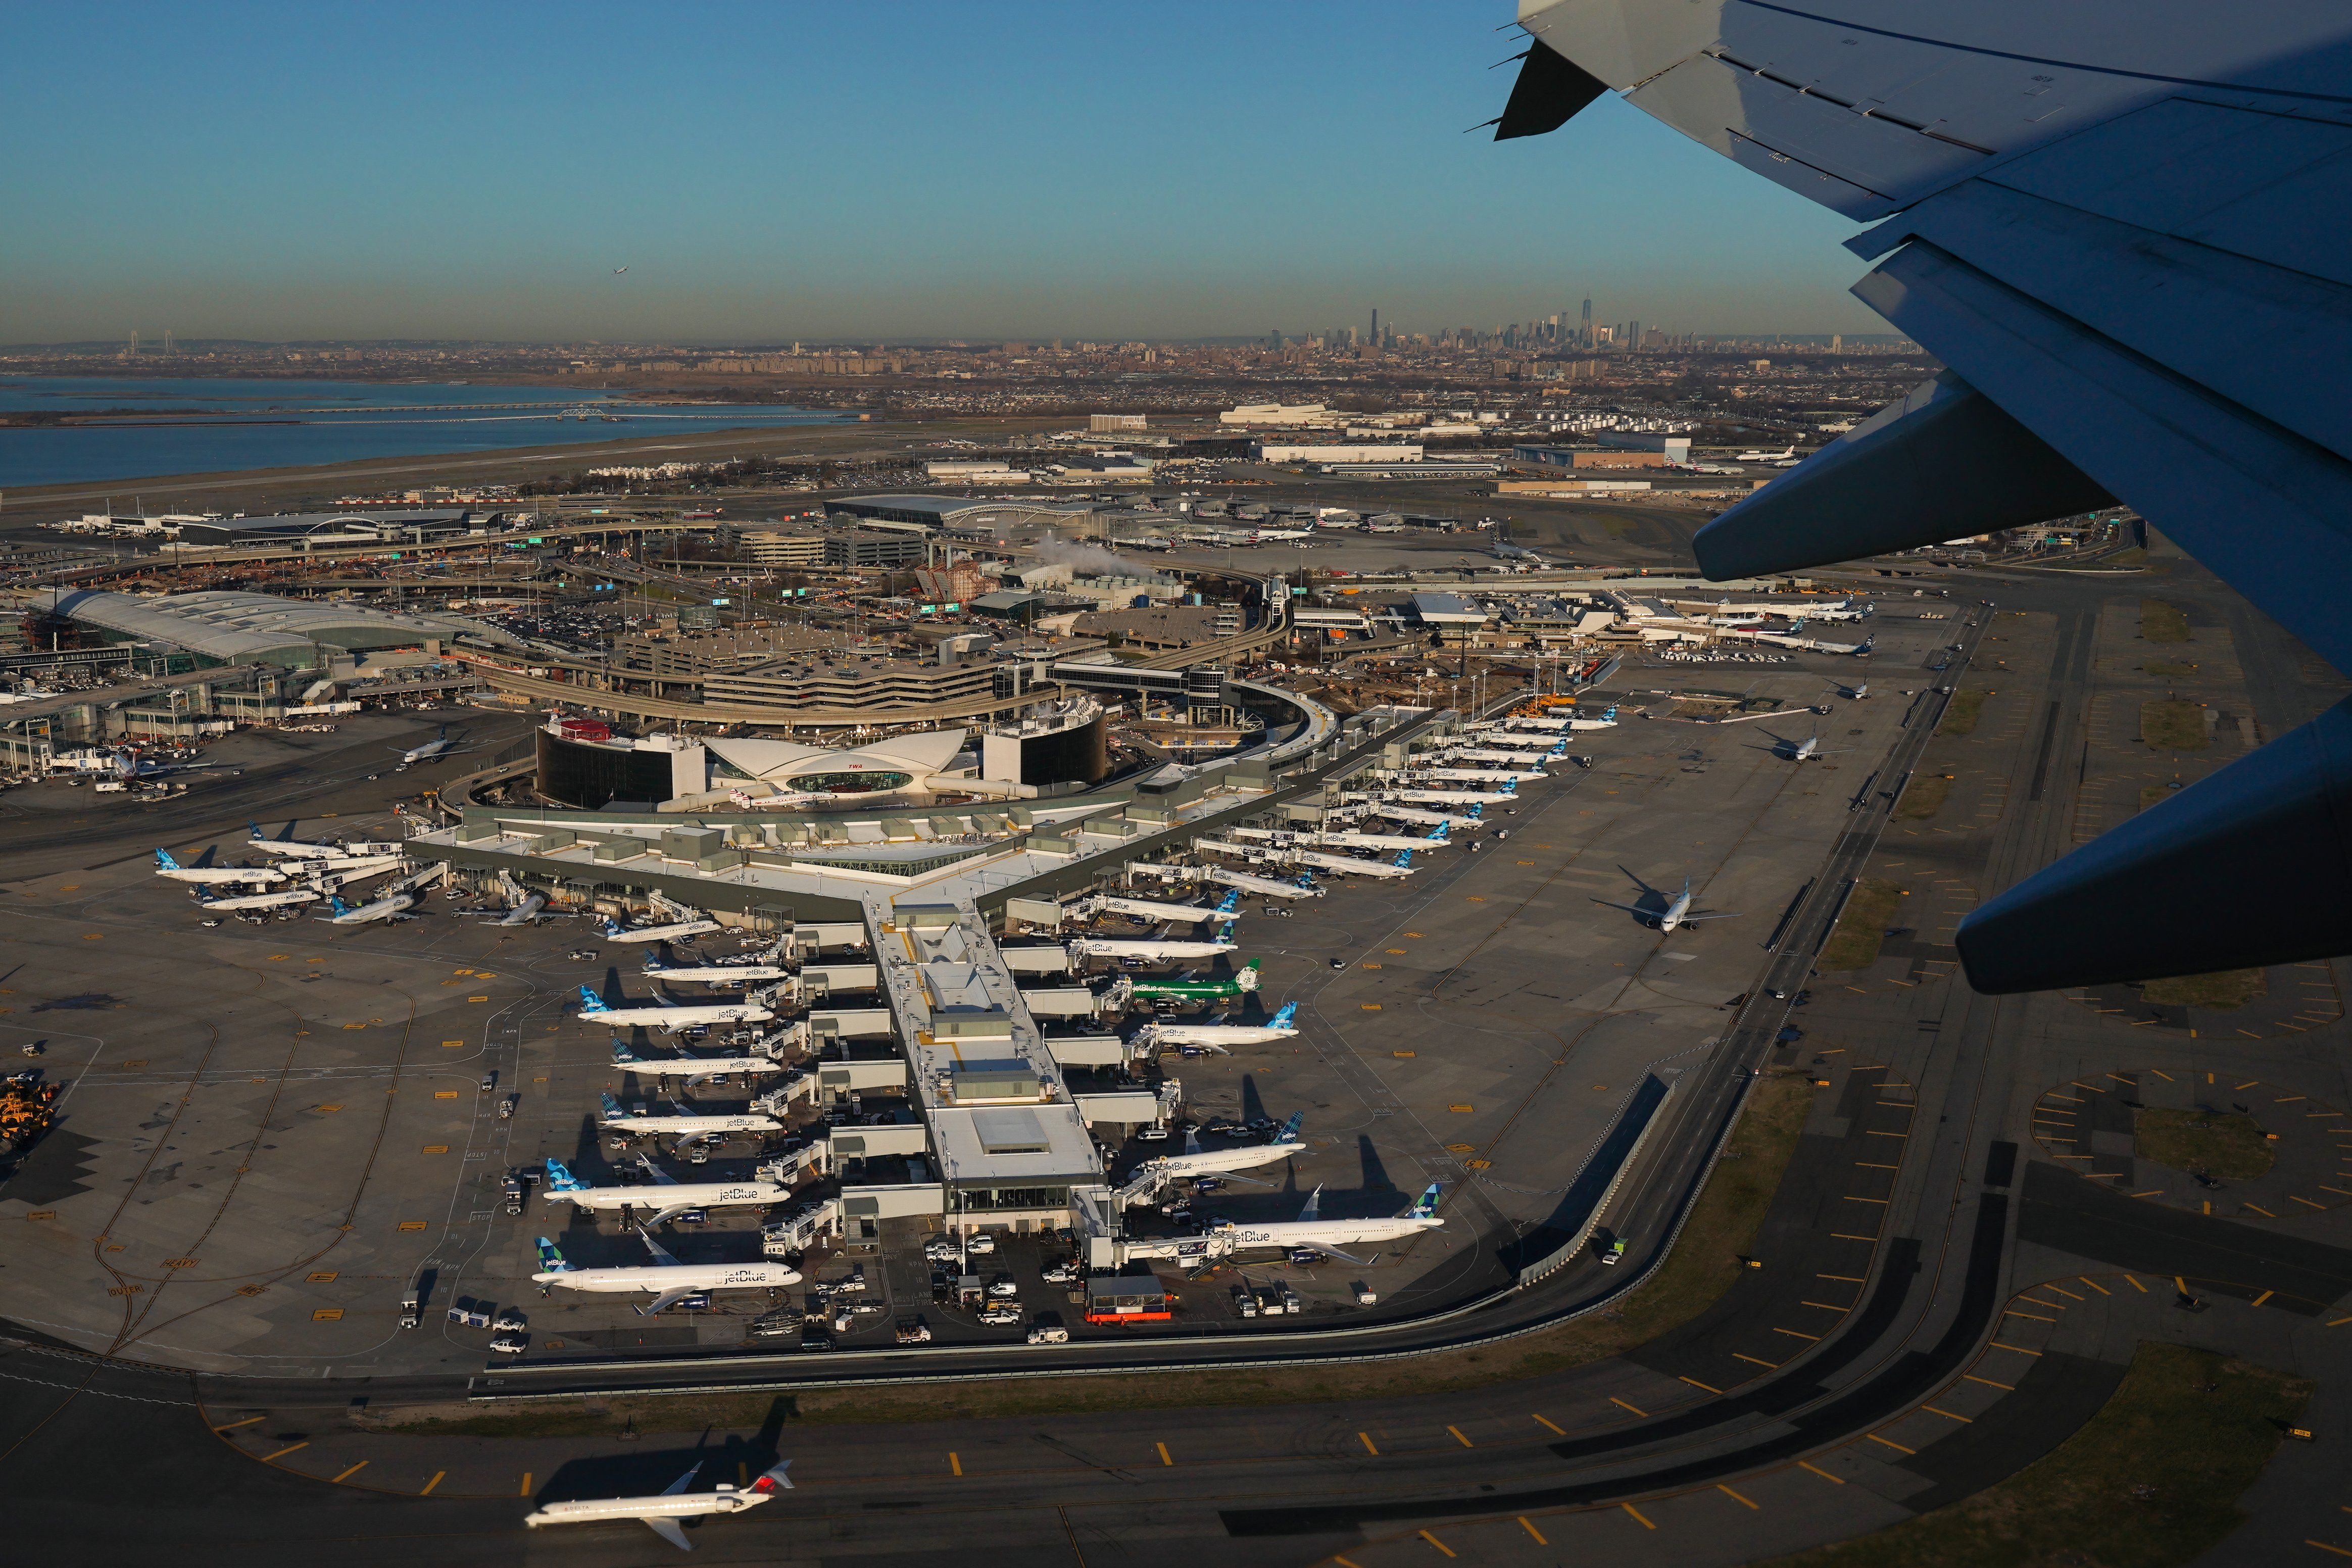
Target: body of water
[(206, 426)]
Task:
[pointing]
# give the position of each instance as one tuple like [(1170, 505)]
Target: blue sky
[(847, 171)]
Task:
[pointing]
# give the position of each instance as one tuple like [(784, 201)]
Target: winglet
[(661, 1254), (1314, 1208)]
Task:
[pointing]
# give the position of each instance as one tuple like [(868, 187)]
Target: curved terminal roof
[(235, 626), (922, 755)]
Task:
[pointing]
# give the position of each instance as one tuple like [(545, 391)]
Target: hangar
[(259, 628)]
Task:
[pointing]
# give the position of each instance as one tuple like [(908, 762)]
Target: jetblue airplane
[(668, 1015), (666, 1279), (172, 871), (1310, 1229), (1221, 1037), (667, 1196)]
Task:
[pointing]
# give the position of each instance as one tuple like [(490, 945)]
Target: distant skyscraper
[(1376, 324), (1585, 329)]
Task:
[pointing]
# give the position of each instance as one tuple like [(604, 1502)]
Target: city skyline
[(1052, 174)]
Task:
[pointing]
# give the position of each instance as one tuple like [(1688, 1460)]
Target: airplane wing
[(1710, 915), (663, 1301), (1237, 1176), (2122, 231), (667, 1213), (682, 1482), (661, 1178), (1325, 1247), (669, 1530), (662, 1259), (1629, 908)]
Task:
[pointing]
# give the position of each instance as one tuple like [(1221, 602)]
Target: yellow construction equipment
[(23, 1109)]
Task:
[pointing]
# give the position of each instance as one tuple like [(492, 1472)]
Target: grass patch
[(1961, 714), (2174, 724), (2220, 1143), (1868, 914), (2162, 622), (2164, 669), (2222, 990), (1922, 798), (1704, 1263), (2152, 1480)]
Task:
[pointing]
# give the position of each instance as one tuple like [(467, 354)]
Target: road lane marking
[(1642, 1414), (1732, 1495), (1531, 1530), (273, 1458), (1695, 1383), (2264, 1296), (1460, 1438), (526, 1482), (2018, 1349), (233, 1425), (1636, 1512), (2004, 1387), (1754, 1361), (1802, 1464), (1163, 1454), (1964, 1420), (1890, 1443), (955, 1464), (1439, 1544)]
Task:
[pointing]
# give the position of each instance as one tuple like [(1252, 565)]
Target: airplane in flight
[(693, 925), (1222, 1037), (2021, 248), (391, 907), (667, 1196), (284, 898), (1328, 1236), (668, 1015), (1145, 948), (686, 1124), (694, 1069), (256, 876), (666, 1279), (1677, 911), (661, 1514)]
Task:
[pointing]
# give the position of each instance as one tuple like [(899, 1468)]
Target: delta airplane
[(669, 1016), (1195, 1161), (669, 1280), (615, 931), (1111, 947), (1310, 1229), (661, 1514), (285, 898), (687, 1124), (172, 871), (694, 1069), (668, 1197), (1219, 1036), (714, 974), (1677, 912), (389, 908)]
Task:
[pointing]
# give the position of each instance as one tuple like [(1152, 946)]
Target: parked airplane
[(667, 1279), (1299, 887), (1222, 1036), (661, 1514), (389, 908), (256, 875), (1453, 796), (1148, 948), (1310, 1229), (1395, 812), (1478, 775), (714, 974), (669, 1016), (1196, 1161), (1279, 535), (694, 1069), (1152, 909), (1783, 456), (1677, 910), (1349, 839), (285, 898), (1351, 866), (293, 849), (1517, 554), (525, 912), (615, 931), (667, 1196), (687, 1124), (1520, 763)]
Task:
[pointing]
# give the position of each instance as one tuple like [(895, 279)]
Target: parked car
[(982, 1245), (1000, 1315), (914, 1331), (508, 1344), (1003, 1287)]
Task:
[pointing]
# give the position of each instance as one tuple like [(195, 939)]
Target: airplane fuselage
[(693, 1126), (1105, 947), (673, 1020), (1322, 1232), (655, 1279), (697, 1067), (669, 932), (285, 899), (256, 875), (1220, 1035), (718, 974), (691, 1195)]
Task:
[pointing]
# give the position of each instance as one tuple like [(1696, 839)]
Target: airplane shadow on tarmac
[(731, 1458)]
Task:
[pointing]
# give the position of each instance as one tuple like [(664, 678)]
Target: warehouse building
[(247, 628)]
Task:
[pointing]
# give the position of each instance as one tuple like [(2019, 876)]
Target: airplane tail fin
[(1281, 1020), (335, 901), (612, 1108), (1437, 833), (590, 1004), (550, 1258), (1248, 977), (1289, 1133), (621, 1055), (1229, 902), (1425, 1206), (1404, 858), (163, 860), (1314, 1209), (560, 1178), (773, 1479)]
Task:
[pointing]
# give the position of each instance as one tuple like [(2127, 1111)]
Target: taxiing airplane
[(661, 1514), (391, 907), (668, 1197), (1783, 456), (256, 876), (671, 1017), (441, 745), (669, 1280), (694, 1069), (685, 1124), (1677, 911), (1803, 751), (1222, 1037), (1310, 1229)]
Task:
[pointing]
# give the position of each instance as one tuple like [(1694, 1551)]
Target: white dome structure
[(790, 767)]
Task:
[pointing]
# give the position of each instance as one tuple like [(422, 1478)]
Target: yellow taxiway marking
[(1806, 1465), (1163, 1454), (1732, 1495), (1542, 1422), (1365, 1438), (355, 1470), (1460, 1438), (233, 1425), (955, 1464), (1531, 1530), (431, 1484), (1622, 1405), (1636, 1512), (1439, 1544)]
